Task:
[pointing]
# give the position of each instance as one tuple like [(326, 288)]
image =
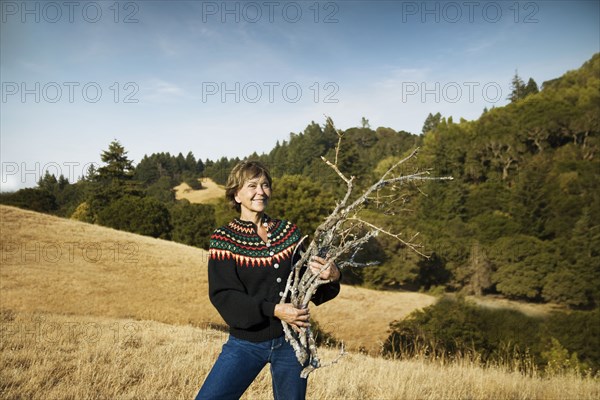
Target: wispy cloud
[(160, 91), (397, 76)]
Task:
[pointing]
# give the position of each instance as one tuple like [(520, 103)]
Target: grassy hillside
[(87, 311), (210, 192), (57, 265)]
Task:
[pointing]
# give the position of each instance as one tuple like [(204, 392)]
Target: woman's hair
[(241, 173)]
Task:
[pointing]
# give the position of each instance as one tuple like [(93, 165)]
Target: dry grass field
[(210, 192), (90, 312), (55, 356), (58, 265)]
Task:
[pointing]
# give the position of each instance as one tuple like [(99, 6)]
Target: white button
[(276, 266), (271, 253), (268, 244), (278, 280), (280, 293)]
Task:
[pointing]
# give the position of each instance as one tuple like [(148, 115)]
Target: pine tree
[(118, 166), (518, 88), (531, 87), (431, 122)]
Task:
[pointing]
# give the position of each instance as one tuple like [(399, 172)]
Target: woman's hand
[(331, 273), (296, 317)]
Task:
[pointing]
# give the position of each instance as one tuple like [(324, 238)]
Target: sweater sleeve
[(228, 295), (326, 292)]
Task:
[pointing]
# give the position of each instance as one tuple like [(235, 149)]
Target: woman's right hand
[(296, 317)]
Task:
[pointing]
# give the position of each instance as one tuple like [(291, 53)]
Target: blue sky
[(230, 78)]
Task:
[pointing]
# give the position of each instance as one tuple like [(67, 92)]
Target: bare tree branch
[(338, 239)]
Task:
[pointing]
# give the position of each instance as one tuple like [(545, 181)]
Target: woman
[(250, 260)]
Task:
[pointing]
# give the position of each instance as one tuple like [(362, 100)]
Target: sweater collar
[(250, 224)]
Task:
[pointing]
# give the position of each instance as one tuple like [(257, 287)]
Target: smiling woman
[(250, 260), (251, 199)]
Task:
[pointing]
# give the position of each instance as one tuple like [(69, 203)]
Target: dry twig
[(338, 239)]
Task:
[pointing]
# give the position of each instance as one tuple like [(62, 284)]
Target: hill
[(55, 265), (210, 192)]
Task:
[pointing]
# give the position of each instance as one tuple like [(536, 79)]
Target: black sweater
[(247, 277)]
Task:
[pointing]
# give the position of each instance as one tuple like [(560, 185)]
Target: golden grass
[(73, 357), (58, 265), (210, 192), (361, 317), (87, 311), (63, 266)]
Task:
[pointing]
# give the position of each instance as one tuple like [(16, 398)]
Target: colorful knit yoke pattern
[(240, 241)]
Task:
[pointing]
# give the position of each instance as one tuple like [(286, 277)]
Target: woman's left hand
[(316, 265)]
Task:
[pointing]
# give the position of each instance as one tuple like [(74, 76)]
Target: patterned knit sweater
[(247, 277)]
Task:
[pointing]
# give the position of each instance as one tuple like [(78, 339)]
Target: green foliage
[(431, 122), (159, 166), (144, 216), (82, 213), (162, 190), (219, 170), (301, 201), (193, 183), (578, 332), (559, 361), (31, 199), (520, 90), (455, 327), (118, 166), (192, 223), (521, 262), (52, 195), (224, 213)]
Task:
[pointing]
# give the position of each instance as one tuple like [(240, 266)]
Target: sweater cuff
[(268, 309)]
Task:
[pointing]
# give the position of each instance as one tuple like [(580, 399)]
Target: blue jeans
[(240, 362)]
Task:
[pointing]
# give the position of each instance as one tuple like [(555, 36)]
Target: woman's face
[(254, 194)]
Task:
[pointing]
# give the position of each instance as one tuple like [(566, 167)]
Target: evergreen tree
[(531, 87), (518, 88), (190, 162), (200, 166), (48, 183), (118, 166), (431, 122)]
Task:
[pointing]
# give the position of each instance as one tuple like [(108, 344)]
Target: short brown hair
[(241, 173)]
